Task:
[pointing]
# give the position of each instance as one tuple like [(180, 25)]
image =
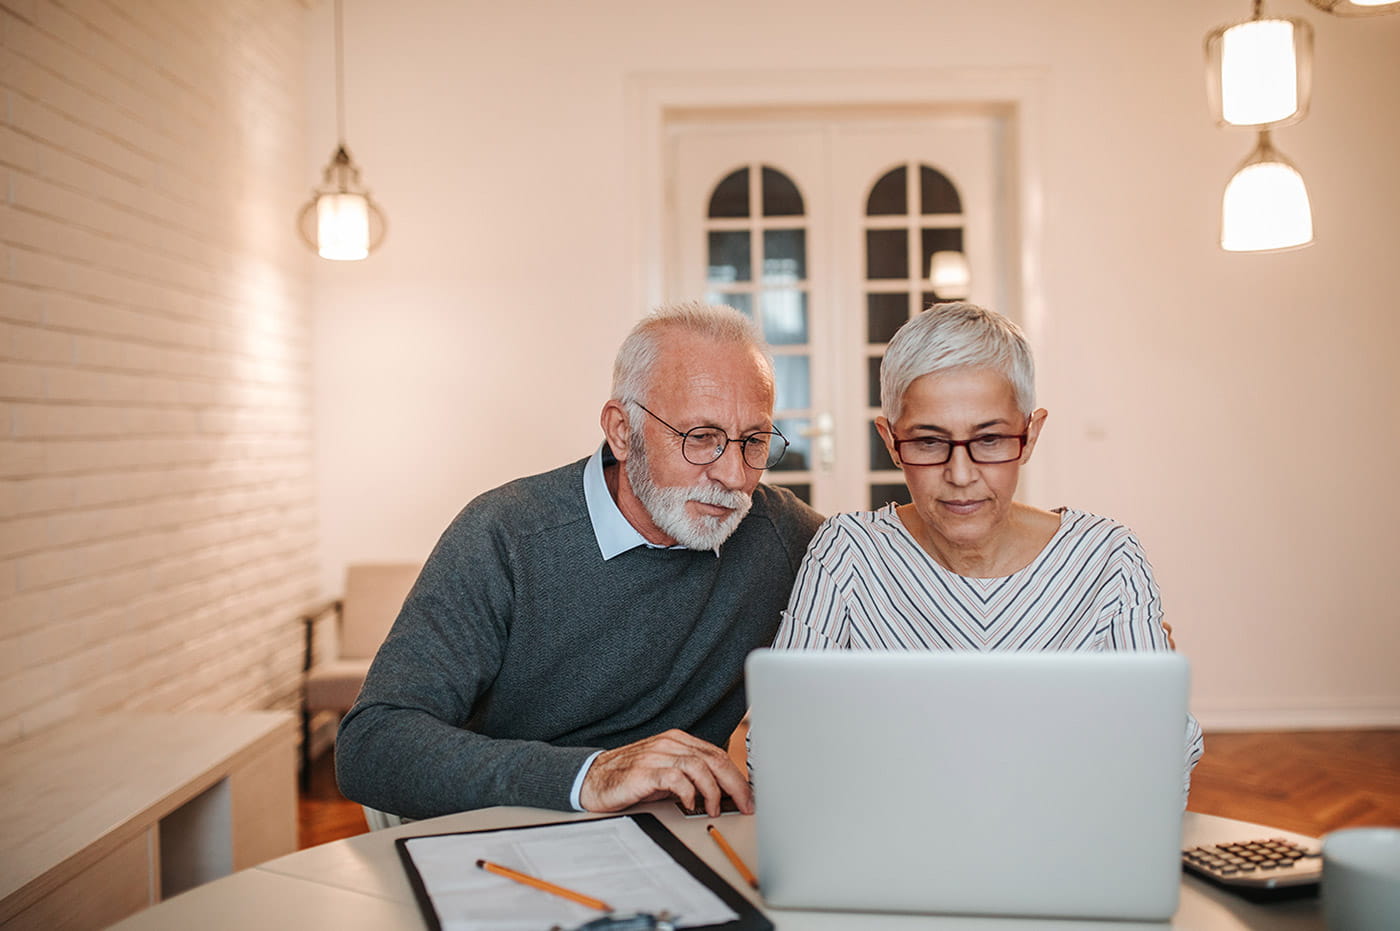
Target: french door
[(825, 229)]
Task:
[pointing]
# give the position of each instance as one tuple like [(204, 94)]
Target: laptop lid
[(1019, 784)]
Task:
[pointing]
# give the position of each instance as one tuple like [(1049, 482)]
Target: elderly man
[(577, 638)]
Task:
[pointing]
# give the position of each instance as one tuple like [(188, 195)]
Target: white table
[(360, 883)]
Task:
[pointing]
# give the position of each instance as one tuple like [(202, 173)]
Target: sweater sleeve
[(1138, 626), (407, 746)]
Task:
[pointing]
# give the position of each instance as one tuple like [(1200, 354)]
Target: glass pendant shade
[(342, 221), (1357, 7), (949, 275), (342, 226), (1259, 72), (1266, 206)]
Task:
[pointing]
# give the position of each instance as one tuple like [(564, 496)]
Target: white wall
[(158, 535), (1236, 410)]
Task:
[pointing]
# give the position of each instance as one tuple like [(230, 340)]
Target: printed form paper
[(613, 860)]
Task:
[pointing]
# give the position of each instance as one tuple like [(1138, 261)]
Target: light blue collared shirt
[(614, 533), (615, 536)]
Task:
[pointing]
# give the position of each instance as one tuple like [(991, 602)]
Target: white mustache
[(715, 494)]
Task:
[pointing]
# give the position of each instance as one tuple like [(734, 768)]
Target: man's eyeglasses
[(704, 445), (987, 449)]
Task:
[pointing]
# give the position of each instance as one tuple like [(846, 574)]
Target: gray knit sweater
[(519, 651)]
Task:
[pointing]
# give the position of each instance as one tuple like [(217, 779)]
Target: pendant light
[(1357, 7), (1265, 208), (949, 276), (1260, 71), (341, 221)]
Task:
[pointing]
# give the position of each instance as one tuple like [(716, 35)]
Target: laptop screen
[(1026, 784)]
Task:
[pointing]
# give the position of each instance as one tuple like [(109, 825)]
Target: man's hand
[(672, 763)]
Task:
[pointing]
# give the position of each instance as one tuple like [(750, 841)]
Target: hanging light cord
[(339, 76)]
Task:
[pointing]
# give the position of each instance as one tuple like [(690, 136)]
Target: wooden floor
[(1311, 782)]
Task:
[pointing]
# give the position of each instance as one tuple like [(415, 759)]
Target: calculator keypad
[(1272, 862)]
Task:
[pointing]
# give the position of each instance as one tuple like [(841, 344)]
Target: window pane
[(890, 195), (731, 196), (784, 256), (941, 240), (879, 456), (884, 315), (780, 196), (785, 317), (937, 193), (794, 383), (729, 257), (872, 381), (802, 489), (799, 454), (886, 254), (740, 302), (882, 493)]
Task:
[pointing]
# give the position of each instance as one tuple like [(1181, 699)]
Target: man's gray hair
[(956, 336), (639, 351)]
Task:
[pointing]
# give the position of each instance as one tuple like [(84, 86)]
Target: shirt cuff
[(577, 790)]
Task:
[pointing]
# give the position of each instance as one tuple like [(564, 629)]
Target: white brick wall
[(158, 534)]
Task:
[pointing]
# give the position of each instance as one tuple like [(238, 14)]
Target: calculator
[(1258, 869)]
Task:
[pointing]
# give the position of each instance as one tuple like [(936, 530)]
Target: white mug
[(1361, 879)]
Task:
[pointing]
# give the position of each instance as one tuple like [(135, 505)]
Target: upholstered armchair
[(338, 655)]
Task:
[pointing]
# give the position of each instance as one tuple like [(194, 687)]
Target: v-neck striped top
[(866, 584)]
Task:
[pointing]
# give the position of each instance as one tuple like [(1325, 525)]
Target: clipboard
[(750, 918)]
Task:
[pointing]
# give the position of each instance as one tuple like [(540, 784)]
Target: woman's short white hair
[(956, 336), (639, 351)]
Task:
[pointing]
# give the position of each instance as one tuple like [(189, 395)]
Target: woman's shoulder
[(860, 529), (880, 520), (1085, 526)]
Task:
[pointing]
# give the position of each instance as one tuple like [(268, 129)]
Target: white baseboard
[(1303, 718)]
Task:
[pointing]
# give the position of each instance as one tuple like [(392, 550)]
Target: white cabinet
[(104, 815)]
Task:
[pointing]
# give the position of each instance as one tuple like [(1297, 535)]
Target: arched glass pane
[(731, 196), (729, 258), (785, 317), (886, 254), (884, 315), (784, 256), (890, 195), (780, 195), (936, 192)]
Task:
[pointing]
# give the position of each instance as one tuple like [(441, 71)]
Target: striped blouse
[(866, 584)]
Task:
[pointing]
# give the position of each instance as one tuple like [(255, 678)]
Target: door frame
[(1015, 95)]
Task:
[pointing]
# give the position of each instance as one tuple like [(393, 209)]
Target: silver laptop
[(1019, 784)]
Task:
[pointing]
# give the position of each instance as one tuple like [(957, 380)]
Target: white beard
[(667, 505)]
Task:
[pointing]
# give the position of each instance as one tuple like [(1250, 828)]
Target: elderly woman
[(965, 566)]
